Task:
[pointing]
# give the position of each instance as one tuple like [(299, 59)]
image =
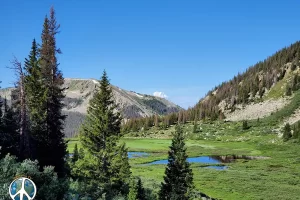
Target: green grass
[(279, 89), (254, 179), (71, 144), (268, 179)]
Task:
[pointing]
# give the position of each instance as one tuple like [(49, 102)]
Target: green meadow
[(276, 177)]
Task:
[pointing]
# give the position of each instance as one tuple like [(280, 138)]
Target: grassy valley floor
[(275, 178)]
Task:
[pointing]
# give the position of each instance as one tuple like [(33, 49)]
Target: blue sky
[(181, 48)]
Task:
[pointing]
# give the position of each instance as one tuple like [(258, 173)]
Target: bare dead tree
[(24, 135)]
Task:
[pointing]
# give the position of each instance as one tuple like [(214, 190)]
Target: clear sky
[(182, 48)]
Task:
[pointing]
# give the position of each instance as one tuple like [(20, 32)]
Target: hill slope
[(261, 90), (131, 104)]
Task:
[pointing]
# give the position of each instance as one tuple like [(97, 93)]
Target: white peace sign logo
[(22, 189)]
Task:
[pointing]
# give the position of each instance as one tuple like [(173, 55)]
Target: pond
[(213, 160), (200, 159)]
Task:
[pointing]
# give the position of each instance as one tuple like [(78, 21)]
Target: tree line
[(31, 129), (159, 122)]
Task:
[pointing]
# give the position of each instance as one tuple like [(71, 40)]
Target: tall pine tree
[(51, 148), (106, 162), (140, 190), (35, 100), (178, 179), (75, 154), (9, 135)]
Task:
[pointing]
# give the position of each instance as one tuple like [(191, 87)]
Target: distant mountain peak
[(131, 104)]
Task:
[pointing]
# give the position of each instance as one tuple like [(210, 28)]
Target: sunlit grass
[(274, 178)]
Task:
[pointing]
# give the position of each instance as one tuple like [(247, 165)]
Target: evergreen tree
[(19, 105), (105, 163), (9, 136), (136, 190), (156, 121), (75, 154), (184, 117), (195, 128), (146, 124), (261, 92), (296, 133), (1, 112), (287, 132), (51, 147), (135, 127), (294, 66), (295, 84), (166, 122), (179, 117), (80, 153), (178, 179), (1, 129), (35, 100), (140, 190), (245, 125), (288, 91), (132, 195)]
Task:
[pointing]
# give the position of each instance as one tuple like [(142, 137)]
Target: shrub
[(245, 125), (47, 182), (287, 132), (294, 66), (195, 128), (288, 91)]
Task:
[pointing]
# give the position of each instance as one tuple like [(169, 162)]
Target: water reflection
[(232, 158), (200, 159), (213, 160)]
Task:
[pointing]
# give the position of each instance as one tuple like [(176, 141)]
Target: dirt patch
[(256, 110)]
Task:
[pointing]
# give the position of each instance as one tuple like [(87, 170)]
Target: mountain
[(131, 104)]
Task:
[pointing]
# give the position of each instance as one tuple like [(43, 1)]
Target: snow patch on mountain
[(160, 94)]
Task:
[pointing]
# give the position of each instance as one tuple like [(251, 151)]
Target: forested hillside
[(253, 84), (273, 78)]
